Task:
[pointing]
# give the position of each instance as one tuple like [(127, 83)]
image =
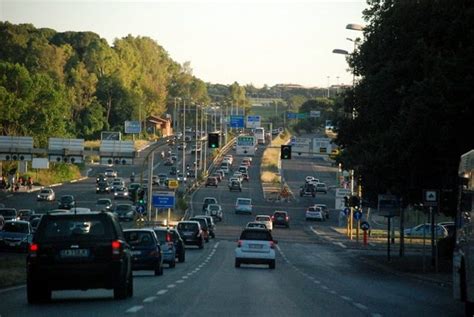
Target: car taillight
[(33, 249), (287, 218), (272, 245), (116, 247), (273, 218), (168, 237), (239, 243)]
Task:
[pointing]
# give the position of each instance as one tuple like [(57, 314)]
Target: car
[(309, 179), (256, 224), (265, 219), (195, 149), (178, 244), (238, 175), (245, 162), (215, 211), (162, 178), (173, 156), (181, 145), (211, 181), (16, 235), (221, 172), (227, 160), (243, 205), (173, 170), (321, 188), (243, 169), (204, 227), (246, 177), (181, 177), (155, 180), (110, 172), (103, 204), (314, 213), (34, 222), (255, 246), (324, 209), (235, 184), (46, 194), (281, 218), (229, 157), (218, 176), (100, 178), (145, 250), (207, 201), (167, 245), (66, 202), (78, 251), (124, 212), (424, 230), (169, 162), (121, 193), (191, 173), (211, 226), (25, 214), (117, 184), (249, 158), (103, 187), (191, 233), (450, 227), (225, 167), (308, 189)]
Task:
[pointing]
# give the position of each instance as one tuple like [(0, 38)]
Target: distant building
[(159, 126)]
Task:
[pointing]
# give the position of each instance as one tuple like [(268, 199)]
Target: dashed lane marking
[(360, 306), (162, 292), (346, 298), (184, 277), (134, 309), (180, 281), (376, 315), (149, 299), (171, 286), (342, 245)]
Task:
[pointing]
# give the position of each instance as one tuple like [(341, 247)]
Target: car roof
[(266, 216), (141, 230), (283, 211), (17, 221), (243, 198), (189, 221)]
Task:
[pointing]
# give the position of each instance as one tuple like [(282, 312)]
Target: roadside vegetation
[(270, 159)]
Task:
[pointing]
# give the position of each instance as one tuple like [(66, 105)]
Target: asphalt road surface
[(313, 277)]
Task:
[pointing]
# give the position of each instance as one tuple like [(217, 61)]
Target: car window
[(16, 227), (78, 227), (262, 218), (202, 221), (256, 235), (7, 212), (187, 226), (243, 201), (161, 235), (45, 191), (139, 238)]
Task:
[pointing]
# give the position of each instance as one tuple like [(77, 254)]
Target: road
[(313, 277)]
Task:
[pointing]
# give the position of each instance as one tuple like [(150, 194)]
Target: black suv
[(179, 245), (235, 185), (308, 189), (66, 202), (281, 218), (191, 233), (102, 187), (78, 251)]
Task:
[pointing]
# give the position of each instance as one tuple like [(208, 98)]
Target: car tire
[(207, 239), (36, 294), (201, 245), (172, 264), (130, 285), (181, 257), (121, 291), (271, 265), (159, 270), (237, 263)]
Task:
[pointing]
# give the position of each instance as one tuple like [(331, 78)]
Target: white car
[(267, 220), (230, 158), (256, 224), (215, 211), (243, 205), (181, 177), (309, 179), (46, 194), (324, 208), (255, 246), (239, 176), (110, 172), (315, 213), (321, 188)]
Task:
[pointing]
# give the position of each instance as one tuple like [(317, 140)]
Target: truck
[(463, 260), (260, 135)]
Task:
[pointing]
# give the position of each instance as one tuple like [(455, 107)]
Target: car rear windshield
[(202, 221), (7, 212), (256, 235), (161, 235), (44, 191), (263, 219), (243, 201), (16, 227), (123, 208), (139, 238), (279, 214), (187, 226), (66, 198), (77, 227), (209, 201)]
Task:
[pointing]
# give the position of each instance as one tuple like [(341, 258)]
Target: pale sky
[(259, 42)]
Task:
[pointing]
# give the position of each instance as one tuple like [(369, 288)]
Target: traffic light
[(354, 201), (213, 140), (346, 201), (285, 153)]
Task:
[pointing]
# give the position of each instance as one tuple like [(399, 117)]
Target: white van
[(225, 167)]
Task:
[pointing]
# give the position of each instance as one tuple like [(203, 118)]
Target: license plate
[(188, 234), (136, 252), (75, 253), (280, 218), (13, 244), (255, 246)]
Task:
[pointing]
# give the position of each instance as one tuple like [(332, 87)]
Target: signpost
[(164, 200), (253, 122), (365, 226), (358, 217), (339, 198), (430, 199), (133, 127), (236, 121)]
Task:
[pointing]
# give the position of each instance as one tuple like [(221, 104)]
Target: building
[(159, 126)]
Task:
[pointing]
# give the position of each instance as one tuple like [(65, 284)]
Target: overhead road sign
[(163, 199), (294, 115), (66, 150), (133, 127), (322, 145), (315, 114), (236, 121), (16, 148), (430, 197), (253, 122)]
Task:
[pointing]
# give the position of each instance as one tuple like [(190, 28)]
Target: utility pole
[(184, 136), (205, 145), (196, 144), (200, 139)]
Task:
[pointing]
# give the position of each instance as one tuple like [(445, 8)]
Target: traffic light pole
[(150, 184)]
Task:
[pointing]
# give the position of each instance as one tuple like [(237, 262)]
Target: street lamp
[(355, 27)]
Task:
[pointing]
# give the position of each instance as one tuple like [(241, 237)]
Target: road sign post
[(431, 199), (365, 226), (357, 216)]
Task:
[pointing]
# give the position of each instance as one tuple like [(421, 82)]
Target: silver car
[(46, 194), (243, 205)]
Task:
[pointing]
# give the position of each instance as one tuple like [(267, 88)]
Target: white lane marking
[(324, 287), (216, 245), (14, 288), (180, 281), (342, 245), (134, 309), (162, 292), (184, 277), (360, 306), (149, 299), (372, 244), (171, 286), (376, 315), (315, 231), (73, 181), (333, 292), (346, 298), (310, 277)]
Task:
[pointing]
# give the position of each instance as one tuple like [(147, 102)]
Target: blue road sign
[(357, 215), (291, 115), (163, 200), (364, 225), (132, 127), (140, 209), (236, 121), (346, 211)]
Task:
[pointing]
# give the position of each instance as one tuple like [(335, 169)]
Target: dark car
[(169, 162), (16, 235), (34, 222), (124, 212), (167, 245), (25, 214), (103, 187), (204, 227), (281, 218), (210, 224), (308, 189), (235, 185), (245, 177), (173, 170), (9, 213), (78, 251), (191, 233), (212, 181), (100, 178), (146, 250), (66, 202), (179, 245)]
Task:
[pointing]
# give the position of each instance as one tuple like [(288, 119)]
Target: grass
[(266, 112), (12, 269), (270, 159)]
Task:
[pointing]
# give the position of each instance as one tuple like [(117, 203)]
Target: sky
[(251, 42)]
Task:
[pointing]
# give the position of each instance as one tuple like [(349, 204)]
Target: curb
[(12, 288)]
